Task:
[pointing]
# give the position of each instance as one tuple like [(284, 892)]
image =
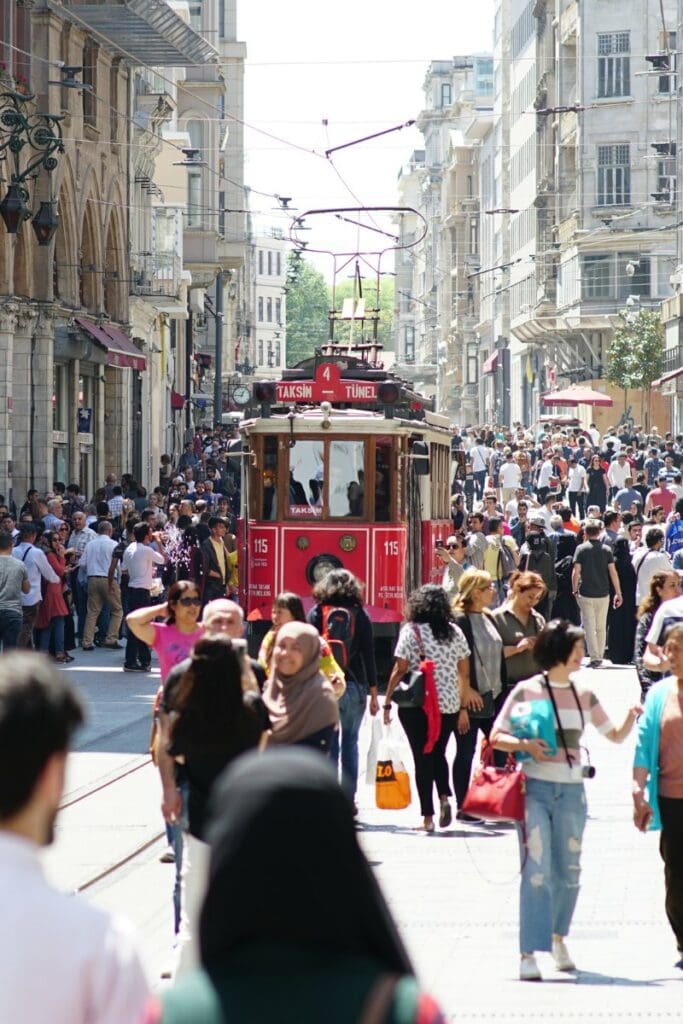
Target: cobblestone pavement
[(454, 893)]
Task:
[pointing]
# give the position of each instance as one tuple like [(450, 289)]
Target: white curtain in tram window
[(347, 478), (306, 470)]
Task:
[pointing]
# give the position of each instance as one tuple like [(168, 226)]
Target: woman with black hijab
[(621, 622), (294, 927)]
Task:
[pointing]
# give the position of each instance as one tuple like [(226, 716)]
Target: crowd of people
[(85, 564), (564, 553), (598, 517)]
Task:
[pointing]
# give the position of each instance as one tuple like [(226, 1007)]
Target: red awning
[(671, 375), (177, 401), (121, 351), (491, 364), (577, 396)]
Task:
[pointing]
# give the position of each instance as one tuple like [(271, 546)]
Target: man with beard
[(61, 959)]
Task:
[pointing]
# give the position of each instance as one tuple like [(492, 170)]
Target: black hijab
[(286, 866)]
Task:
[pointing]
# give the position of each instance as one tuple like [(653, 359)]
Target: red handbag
[(496, 794)]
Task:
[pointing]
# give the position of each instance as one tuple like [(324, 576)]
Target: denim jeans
[(479, 483), (54, 632), (555, 820), (10, 628), (351, 711)]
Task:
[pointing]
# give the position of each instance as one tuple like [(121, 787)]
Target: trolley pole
[(218, 357)]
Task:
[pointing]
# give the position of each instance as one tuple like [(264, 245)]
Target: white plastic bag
[(373, 749), (392, 782)]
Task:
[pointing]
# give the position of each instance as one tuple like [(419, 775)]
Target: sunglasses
[(187, 602), (452, 547)]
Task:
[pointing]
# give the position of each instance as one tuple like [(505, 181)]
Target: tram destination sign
[(327, 386)]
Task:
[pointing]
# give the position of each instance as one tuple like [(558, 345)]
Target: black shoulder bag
[(587, 770)]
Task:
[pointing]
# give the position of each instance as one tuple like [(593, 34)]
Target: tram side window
[(439, 466), (306, 479), (383, 482), (347, 478), (269, 478)]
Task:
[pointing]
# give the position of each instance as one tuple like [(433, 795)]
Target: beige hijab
[(302, 704)]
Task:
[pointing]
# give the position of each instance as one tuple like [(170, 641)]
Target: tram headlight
[(320, 565), (325, 409)]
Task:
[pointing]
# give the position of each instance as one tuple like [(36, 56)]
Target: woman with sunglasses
[(174, 638)]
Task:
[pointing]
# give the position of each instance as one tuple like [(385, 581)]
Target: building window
[(278, 353), (278, 310), (260, 352), (472, 369), (260, 261), (194, 199), (195, 182), (196, 15), (445, 94), (596, 274), (614, 64), (278, 263), (410, 344), (221, 214), (221, 19), (89, 94), (614, 175), (636, 283), (270, 263), (666, 84), (269, 310), (260, 309), (666, 180)]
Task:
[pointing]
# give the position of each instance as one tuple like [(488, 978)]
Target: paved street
[(454, 894)]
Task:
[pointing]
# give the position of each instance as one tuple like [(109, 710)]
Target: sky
[(359, 65)]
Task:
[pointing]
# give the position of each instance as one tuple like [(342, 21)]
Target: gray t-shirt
[(594, 558), (12, 575), (488, 652)]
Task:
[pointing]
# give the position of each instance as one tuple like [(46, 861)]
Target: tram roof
[(344, 421)]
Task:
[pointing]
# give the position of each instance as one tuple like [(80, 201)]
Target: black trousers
[(414, 722), (671, 849), (577, 500), (137, 653), (465, 746)]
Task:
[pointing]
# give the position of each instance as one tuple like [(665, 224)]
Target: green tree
[(636, 354), (345, 290), (307, 310)]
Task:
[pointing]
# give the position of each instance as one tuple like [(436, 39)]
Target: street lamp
[(43, 134)]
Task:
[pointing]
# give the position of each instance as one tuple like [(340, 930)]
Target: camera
[(587, 771), (438, 543)]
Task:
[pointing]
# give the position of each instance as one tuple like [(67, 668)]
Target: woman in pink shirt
[(174, 638)]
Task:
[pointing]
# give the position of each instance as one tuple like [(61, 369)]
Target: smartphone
[(438, 543)]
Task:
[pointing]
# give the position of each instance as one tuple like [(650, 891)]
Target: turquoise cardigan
[(647, 749)]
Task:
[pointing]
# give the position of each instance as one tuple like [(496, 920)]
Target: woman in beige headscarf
[(299, 698)]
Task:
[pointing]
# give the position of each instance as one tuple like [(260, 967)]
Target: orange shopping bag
[(392, 782)]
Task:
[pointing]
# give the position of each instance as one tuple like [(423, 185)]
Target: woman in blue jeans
[(550, 842), (340, 619)]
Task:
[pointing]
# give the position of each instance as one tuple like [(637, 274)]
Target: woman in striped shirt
[(555, 799)]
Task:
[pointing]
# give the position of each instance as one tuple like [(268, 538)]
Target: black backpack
[(339, 629)]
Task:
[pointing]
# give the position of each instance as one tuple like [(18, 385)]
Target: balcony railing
[(156, 274), (673, 358)]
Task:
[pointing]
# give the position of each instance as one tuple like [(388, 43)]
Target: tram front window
[(306, 479), (269, 479), (347, 478)]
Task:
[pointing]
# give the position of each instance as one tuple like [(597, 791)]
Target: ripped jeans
[(555, 820)]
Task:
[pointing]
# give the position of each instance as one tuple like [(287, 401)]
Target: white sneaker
[(561, 956), (528, 969)]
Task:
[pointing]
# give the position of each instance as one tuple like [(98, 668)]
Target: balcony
[(156, 274), (673, 359)]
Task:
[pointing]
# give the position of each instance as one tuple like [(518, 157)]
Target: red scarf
[(431, 705)]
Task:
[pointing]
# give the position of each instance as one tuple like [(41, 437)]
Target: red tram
[(345, 466)]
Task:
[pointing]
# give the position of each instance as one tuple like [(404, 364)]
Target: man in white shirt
[(576, 487), (510, 477), (62, 959), (648, 560), (546, 473), (38, 568), (618, 473), (99, 566), (479, 457), (81, 535), (139, 560)]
